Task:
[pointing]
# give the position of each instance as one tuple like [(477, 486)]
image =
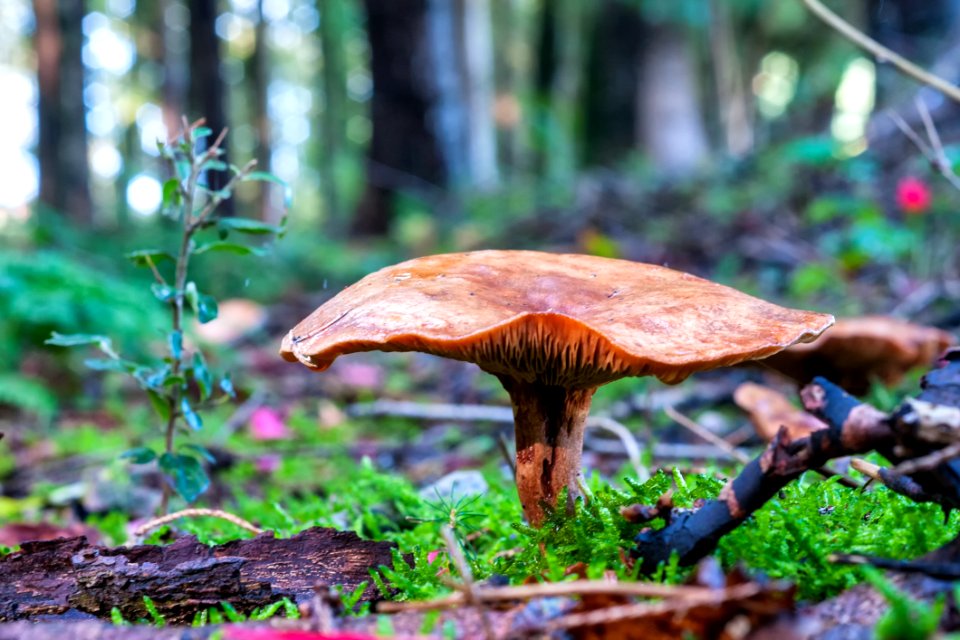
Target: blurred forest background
[(404, 127)]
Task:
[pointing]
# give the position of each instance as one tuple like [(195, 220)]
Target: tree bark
[(69, 576), (62, 145)]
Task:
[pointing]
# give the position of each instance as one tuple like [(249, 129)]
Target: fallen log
[(69, 577)]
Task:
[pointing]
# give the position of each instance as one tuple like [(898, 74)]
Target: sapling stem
[(190, 224)]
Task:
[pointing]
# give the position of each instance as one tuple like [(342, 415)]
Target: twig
[(141, 531), (432, 411), (927, 462), (868, 469), (504, 415), (467, 586), (939, 160), (554, 589), (935, 569), (912, 135), (648, 609), (706, 434), (630, 444), (503, 445), (882, 53)]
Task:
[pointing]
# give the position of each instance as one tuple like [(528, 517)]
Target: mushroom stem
[(548, 422)]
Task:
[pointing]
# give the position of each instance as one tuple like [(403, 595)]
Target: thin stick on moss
[(467, 587), (706, 434), (140, 532), (553, 589)]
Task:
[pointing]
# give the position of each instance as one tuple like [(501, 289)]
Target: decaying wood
[(70, 576), (97, 630), (920, 428)]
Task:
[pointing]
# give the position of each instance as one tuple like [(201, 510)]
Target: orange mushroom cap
[(862, 349), (574, 321)]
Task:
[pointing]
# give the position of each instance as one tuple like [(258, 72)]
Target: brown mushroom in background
[(769, 410), (858, 351), (552, 328)]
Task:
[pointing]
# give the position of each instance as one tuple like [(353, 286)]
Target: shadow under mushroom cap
[(561, 319)]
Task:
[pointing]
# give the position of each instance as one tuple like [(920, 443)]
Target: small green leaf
[(188, 476), (264, 176), (172, 196), (226, 385), (77, 339), (163, 292), (144, 257), (111, 364), (183, 168), (201, 132), (159, 404), (140, 455), (206, 309), (246, 225), (232, 247), (202, 375), (153, 378), (175, 340), (191, 416), (191, 294), (215, 165), (74, 339), (201, 451)]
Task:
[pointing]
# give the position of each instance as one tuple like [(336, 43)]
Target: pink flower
[(267, 463), (266, 424), (913, 195)]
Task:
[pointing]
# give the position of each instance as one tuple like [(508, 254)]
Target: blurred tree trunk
[(404, 150), (475, 32), (207, 93), (611, 84), (432, 66), (560, 79), (61, 114), (461, 51), (259, 65), (516, 25), (332, 27), (671, 128), (733, 101), (174, 43)]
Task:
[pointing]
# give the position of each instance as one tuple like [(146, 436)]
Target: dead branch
[(922, 429), (882, 53)]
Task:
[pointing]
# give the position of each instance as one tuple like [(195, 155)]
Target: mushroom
[(552, 328), (862, 350)]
